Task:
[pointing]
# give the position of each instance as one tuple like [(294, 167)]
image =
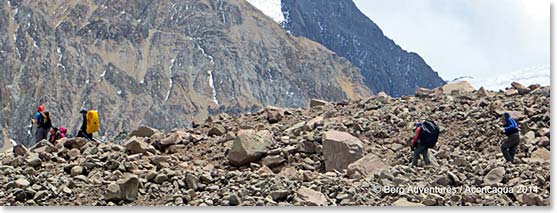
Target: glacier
[(533, 75)]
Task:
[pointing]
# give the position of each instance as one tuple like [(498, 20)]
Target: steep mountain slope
[(287, 159), (340, 26), (160, 63)]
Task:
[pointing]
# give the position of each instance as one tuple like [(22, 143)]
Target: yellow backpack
[(93, 124)]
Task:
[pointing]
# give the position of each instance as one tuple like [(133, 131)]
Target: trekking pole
[(30, 128)]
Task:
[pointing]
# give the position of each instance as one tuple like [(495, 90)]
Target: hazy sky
[(478, 38)]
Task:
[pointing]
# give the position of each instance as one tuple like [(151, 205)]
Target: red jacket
[(418, 129)]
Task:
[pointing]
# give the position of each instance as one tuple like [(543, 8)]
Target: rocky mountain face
[(340, 26), (348, 153), (159, 63)]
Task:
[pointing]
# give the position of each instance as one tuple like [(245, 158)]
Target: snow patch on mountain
[(271, 8), (534, 75)]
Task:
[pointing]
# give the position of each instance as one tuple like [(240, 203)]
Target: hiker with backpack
[(510, 145), (57, 134), (89, 125), (425, 138), (43, 123)]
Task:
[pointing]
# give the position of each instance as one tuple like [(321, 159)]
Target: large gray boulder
[(144, 132), (494, 176), (249, 146), (367, 166), (137, 145), (310, 197), (340, 149), (126, 188)]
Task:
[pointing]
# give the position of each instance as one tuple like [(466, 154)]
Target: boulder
[(33, 160), (234, 199), (482, 92), (306, 147), (217, 130), (76, 170), (272, 161), (457, 87), (249, 146), (274, 114), (310, 197), (340, 149), (143, 132), (383, 94), (40, 195), (136, 145), (160, 178), (264, 171), (74, 153), (313, 123), (541, 154), (20, 150), (296, 128), (22, 183), (20, 195), (522, 90), (423, 92), (531, 199), (494, 176), (510, 92), (129, 187), (43, 146), (279, 195), (173, 139), (290, 173), (534, 86), (192, 182), (72, 143), (113, 193), (404, 202), (317, 102), (367, 166)]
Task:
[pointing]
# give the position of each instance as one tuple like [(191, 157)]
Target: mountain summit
[(340, 26)]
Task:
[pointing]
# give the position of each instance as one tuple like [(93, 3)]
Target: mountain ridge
[(160, 63)]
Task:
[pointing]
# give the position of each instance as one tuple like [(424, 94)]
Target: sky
[(493, 41)]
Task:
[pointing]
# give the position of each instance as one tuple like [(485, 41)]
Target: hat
[(63, 129), (506, 115), (40, 108), (83, 111)]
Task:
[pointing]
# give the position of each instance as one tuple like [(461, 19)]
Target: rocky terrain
[(160, 63), (340, 26), (341, 153)]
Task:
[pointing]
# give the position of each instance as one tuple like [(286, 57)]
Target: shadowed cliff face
[(340, 26), (159, 63)]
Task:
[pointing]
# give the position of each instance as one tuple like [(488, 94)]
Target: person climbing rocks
[(83, 130), (57, 134), (426, 136), (43, 123), (510, 145)]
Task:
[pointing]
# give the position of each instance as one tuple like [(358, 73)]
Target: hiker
[(43, 123), (63, 132), (425, 138), (82, 133), (57, 134), (509, 145), (90, 124)]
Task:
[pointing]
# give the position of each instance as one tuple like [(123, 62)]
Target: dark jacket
[(84, 124)]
